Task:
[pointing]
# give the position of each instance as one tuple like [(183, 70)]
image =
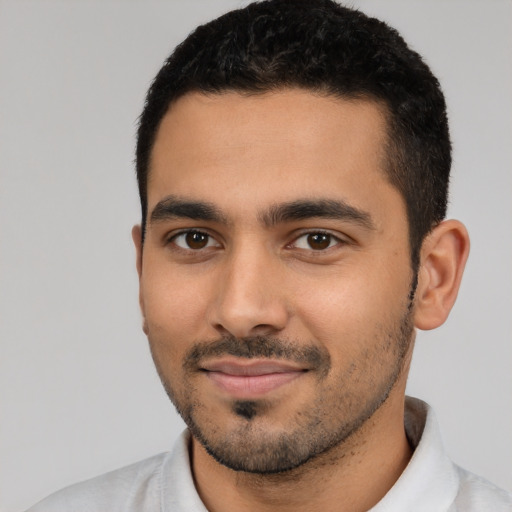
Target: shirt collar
[(430, 481)]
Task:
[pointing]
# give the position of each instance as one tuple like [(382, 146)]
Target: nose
[(250, 299)]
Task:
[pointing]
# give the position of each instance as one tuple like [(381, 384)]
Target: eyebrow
[(173, 207), (320, 208)]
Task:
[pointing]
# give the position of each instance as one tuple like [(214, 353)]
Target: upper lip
[(250, 368)]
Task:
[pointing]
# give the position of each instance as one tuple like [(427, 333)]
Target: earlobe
[(137, 241), (443, 257)]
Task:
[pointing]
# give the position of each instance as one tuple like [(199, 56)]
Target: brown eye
[(194, 240), (316, 241), (319, 241)]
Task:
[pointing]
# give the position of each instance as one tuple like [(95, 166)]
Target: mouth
[(244, 379)]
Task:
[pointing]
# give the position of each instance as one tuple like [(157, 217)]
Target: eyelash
[(172, 239), (333, 240)]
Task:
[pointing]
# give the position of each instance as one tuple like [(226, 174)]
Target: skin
[(324, 296)]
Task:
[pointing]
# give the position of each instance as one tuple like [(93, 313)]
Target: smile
[(251, 379)]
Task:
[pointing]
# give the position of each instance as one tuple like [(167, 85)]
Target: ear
[(137, 241), (443, 257)]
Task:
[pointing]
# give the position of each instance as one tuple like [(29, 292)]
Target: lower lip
[(251, 386)]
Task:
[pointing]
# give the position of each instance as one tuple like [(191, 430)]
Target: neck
[(351, 477)]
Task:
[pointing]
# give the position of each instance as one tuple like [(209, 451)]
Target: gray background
[(79, 395)]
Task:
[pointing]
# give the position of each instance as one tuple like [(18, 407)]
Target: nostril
[(221, 330), (240, 330), (264, 329)]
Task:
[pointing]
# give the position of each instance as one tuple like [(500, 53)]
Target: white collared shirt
[(431, 482)]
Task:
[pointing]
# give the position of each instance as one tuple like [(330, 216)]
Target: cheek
[(174, 308), (350, 311)]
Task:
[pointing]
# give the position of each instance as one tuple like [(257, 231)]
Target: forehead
[(268, 147)]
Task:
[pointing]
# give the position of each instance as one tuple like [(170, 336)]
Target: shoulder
[(127, 489), (476, 494)]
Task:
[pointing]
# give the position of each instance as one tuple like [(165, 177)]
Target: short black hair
[(321, 46)]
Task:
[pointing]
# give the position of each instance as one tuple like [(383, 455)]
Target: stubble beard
[(340, 411)]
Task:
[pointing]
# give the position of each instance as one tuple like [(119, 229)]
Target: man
[(293, 161)]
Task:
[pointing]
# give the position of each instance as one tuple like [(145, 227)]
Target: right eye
[(194, 240)]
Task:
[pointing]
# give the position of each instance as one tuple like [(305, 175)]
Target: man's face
[(275, 275)]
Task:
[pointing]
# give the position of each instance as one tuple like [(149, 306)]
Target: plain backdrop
[(79, 395)]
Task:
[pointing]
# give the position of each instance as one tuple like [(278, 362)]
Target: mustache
[(268, 347)]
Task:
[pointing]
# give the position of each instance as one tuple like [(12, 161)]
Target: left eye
[(194, 240), (316, 241)]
